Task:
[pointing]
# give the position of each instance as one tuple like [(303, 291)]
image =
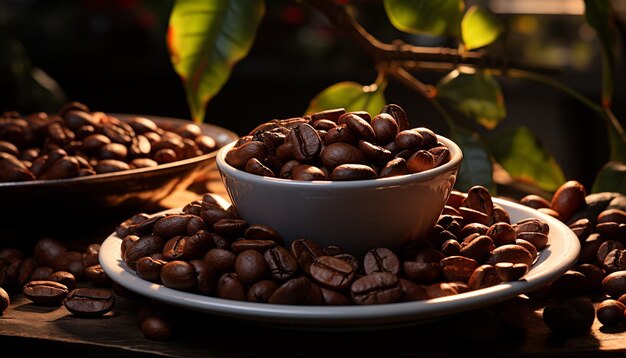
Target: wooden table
[(29, 329)]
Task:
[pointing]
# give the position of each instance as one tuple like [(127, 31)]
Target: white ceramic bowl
[(354, 215)]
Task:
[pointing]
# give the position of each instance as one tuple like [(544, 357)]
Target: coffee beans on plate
[(339, 145), (77, 142), (208, 250)]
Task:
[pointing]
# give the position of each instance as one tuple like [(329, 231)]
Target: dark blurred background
[(111, 55)]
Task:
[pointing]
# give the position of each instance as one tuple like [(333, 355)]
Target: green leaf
[(611, 178), (430, 17), (526, 159), (479, 27), (478, 96), (476, 168), (599, 16), (351, 96), (206, 38)]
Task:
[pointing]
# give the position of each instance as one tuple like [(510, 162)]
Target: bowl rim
[(456, 157), (96, 178)]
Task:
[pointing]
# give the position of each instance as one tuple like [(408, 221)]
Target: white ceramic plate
[(560, 255)]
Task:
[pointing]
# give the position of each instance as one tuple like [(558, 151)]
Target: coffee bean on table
[(96, 275), (571, 317), (90, 302), (45, 293), (610, 312), (157, 328), (63, 277)]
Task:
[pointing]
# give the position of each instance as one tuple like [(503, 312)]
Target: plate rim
[(355, 316)]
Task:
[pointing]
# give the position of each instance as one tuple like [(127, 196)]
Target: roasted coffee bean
[(206, 277), (340, 134), (610, 312), (614, 284), (330, 114), (282, 264), (381, 260), (411, 291), (501, 234), (458, 268), (420, 161), (606, 247), (5, 300), (359, 126), (570, 317), (375, 153), (440, 289), (615, 261), (474, 228), (508, 271), (353, 172), (336, 154), (63, 277), (571, 283), (262, 232), (293, 292), (478, 198), (305, 142), (230, 227), (174, 248), (394, 167), (376, 288), (475, 216), (589, 249), (594, 276), (385, 127), (127, 227), (398, 114), (510, 253), (251, 267), (531, 225), (157, 328), (239, 156), (534, 201), (145, 246), (477, 247), (214, 213), (96, 275), (332, 272), (421, 272), (149, 268), (568, 199), (90, 302), (582, 228), (90, 256), (261, 291), (306, 251), (483, 276), (178, 224), (254, 166), (258, 245), (179, 275), (539, 240), (451, 247), (221, 260), (45, 293), (126, 242), (229, 287)]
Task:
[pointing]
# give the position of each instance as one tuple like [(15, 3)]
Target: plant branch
[(428, 91)]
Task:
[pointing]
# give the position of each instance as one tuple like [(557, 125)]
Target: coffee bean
[(230, 287), (282, 264), (293, 292), (332, 272), (96, 275), (534, 201), (306, 251), (261, 291), (385, 127), (149, 268), (568, 199), (381, 260), (421, 272), (157, 328), (508, 271), (179, 275), (510, 253), (251, 267), (145, 246), (610, 312), (501, 234), (614, 284), (45, 293), (353, 172), (63, 277), (570, 284), (90, 302), (458, 268), (340, 153), (220, 259), (376, 288), (483, 276), (398, 114), (570, 317)]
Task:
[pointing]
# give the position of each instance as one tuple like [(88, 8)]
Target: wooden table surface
[(29, 329)]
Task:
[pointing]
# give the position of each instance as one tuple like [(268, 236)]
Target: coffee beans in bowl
[(78, 161), (342, 177)]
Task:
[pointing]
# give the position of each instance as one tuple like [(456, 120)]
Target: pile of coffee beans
[(335, 145), (50, 278), (76, 142), (599, 222), (209, 250)]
